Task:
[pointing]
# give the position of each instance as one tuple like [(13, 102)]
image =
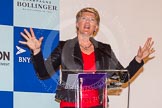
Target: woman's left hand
[(145, 51)]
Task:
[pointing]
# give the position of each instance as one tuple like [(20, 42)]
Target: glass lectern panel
[(92, 90)]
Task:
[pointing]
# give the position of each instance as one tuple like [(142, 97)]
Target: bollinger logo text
[(37, 5)]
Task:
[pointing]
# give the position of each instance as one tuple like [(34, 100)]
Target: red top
[(89, 61), (89, 97)]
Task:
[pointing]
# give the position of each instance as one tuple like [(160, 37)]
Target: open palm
[(146, 50), (31, 41)]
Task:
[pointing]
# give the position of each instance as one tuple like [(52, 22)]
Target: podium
[(92, 87)]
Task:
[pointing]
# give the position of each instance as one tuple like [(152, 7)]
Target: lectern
[(91, 87)]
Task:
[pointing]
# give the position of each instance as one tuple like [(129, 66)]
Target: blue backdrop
[(19, 85)]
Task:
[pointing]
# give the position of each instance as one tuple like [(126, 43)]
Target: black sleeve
[(45, 68), (132, 68)]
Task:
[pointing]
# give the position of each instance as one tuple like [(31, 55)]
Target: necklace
[(86, 48)]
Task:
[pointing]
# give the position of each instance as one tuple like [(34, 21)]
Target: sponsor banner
[(34, 100), (25, 78), (6, 58), (6, 12), (42, 14), (6, 99), (19, 85)]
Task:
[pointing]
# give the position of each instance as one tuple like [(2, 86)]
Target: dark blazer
[(68, 55)]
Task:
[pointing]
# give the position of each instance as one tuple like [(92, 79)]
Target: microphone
[(94, 42), (106, 50), (101, 48)]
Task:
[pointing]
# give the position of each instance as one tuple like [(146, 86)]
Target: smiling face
[(87, 24)]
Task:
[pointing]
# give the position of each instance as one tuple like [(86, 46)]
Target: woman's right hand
[(31, 41)]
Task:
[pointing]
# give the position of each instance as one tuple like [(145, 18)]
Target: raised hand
[(31, 41), (146, 50)]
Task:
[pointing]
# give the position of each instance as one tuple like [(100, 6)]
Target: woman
[(81, 53)]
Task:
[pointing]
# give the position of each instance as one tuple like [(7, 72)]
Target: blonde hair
[(91, 10)]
